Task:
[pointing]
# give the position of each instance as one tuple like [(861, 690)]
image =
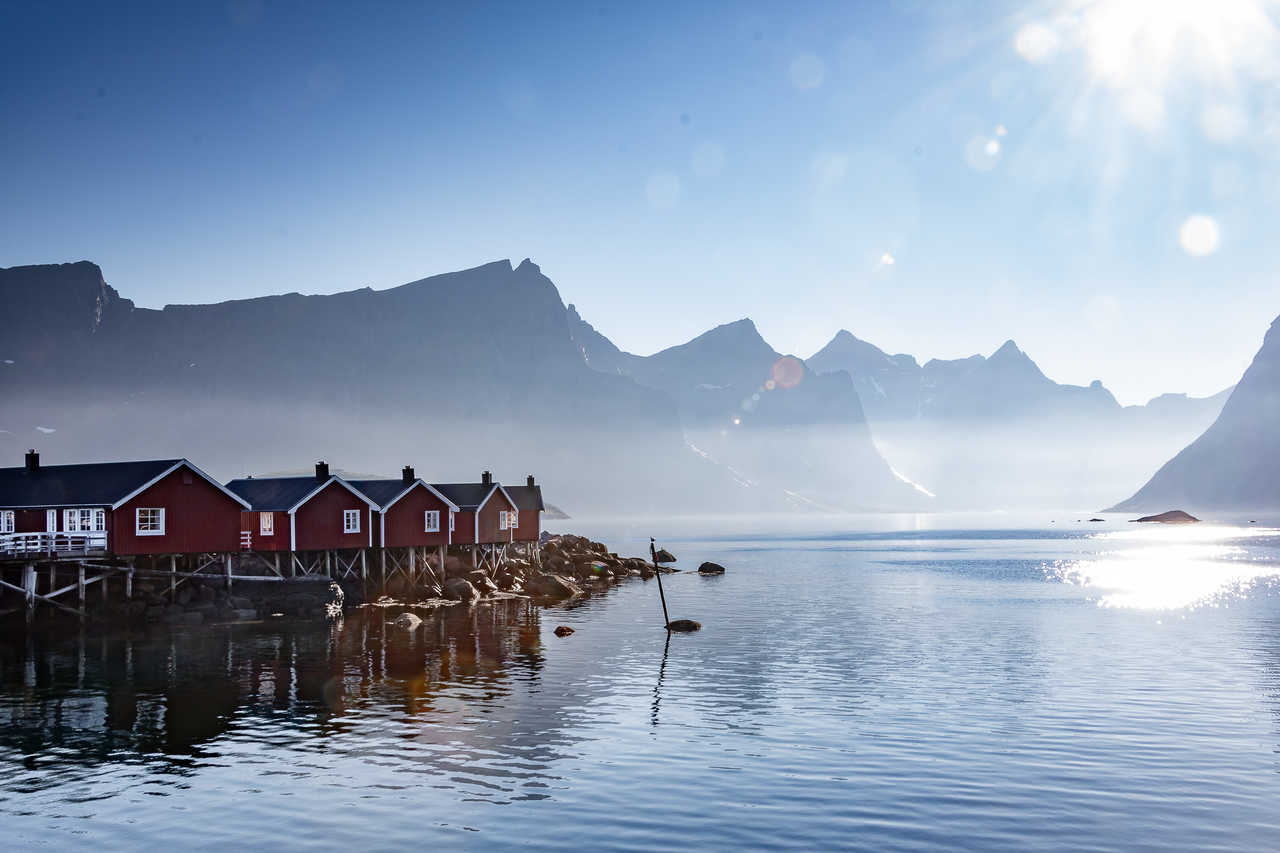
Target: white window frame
[(51, 521), (266, 524), (8, 521), (513, 519), (451, 524), (431, 521), (351, 521), (84, 520), (152, 528)]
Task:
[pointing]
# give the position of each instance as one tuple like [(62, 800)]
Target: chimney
[(33, 460), (529, 480), (486, 478), (406, 474), (322, 470)]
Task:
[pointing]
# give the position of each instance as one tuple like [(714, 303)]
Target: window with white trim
[(149, 521), (51, 521), (266, 524), (513, 518), (503, 517), (76, 520), (433, 521), (451, 527), (351, 521), (6, 521)]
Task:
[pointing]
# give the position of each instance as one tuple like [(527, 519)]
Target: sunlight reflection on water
[(1170, 568)]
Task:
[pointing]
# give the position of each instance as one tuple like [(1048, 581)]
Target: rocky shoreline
[(568, 566)]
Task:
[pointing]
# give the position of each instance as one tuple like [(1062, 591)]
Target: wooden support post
[(173, 578), (29, 590), (227, 558), (52, 577), (383, 561), (80, 587), (473, 557), (328, 564), (104, 580), (413, 567), (128, 582), (364, 566)]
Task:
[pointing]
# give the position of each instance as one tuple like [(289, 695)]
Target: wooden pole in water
[(653, 553)]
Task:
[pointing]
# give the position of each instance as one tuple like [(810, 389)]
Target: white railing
[(22, 544)]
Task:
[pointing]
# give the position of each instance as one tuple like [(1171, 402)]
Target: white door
[(51, 520)]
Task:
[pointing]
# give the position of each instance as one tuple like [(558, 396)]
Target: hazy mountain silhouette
[(990, 432), (1235, 464), (452, 373), (765, 414)]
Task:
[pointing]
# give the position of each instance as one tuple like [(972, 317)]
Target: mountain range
[(488, 367)]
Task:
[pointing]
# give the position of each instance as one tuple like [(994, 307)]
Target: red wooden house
[(526, 523), (411, 513), (485, 511), (164, 506), (320, 513)]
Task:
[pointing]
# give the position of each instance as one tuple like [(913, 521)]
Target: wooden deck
[(19, 547)]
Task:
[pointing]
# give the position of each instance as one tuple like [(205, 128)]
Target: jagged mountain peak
[(740, 339)]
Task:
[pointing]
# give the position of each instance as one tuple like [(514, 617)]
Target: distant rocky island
[(1173, 516)]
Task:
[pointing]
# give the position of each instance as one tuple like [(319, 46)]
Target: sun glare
[(1149, 51)]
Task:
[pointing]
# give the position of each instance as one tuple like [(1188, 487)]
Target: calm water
[(1097, 687)]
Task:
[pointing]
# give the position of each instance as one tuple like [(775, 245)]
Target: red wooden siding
[(198, 517), (318, 522), (278, 541), (406, 520), (489, 532), (530, 526)]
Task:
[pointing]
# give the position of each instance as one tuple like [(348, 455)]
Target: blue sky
[(936, 178)]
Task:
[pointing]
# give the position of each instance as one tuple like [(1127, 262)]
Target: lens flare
[(1199, 236), (788, 372)]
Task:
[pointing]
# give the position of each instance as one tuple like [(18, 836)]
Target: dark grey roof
[(273, 494), (381, 492), (466, 495), (526, 498), (94, 484)]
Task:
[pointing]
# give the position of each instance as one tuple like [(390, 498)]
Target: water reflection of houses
[(80, 700)]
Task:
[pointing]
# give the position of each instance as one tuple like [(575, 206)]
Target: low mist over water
[(921, 685)]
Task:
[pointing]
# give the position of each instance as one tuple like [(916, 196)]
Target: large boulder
[(684, 625), (665, 556), (552, 586), (460, 589), (710, 568)]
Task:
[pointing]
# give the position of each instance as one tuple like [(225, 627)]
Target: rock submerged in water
[(710, 568), (684, 625), (664, 556), (1173, 516), (562, 631), (407, 622)]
